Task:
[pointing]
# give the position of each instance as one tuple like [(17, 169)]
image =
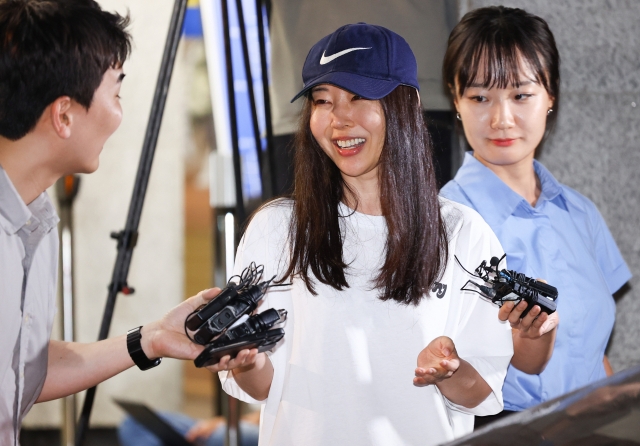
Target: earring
[(458, 117), (549, 111)]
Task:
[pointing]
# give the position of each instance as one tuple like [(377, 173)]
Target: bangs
[(500, 60)]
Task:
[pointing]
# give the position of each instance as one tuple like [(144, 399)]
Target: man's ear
[(61, 116)]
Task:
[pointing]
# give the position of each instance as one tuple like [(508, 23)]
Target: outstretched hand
[(166, 337), (436, 362)]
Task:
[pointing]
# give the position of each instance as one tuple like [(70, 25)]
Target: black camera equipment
[(238, 306), (263, 341), (219, 325), (511, 286), (255, 332), (256, 323), (233, 302)]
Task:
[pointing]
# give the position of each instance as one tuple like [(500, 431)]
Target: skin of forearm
[(255, 379), (532, 355), (607, 366), (465, 387), (73, 367)]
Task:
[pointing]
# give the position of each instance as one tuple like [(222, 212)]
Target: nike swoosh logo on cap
[(325, 60)]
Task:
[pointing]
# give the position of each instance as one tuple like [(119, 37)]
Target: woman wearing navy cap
[(503, 71), (369, 249)]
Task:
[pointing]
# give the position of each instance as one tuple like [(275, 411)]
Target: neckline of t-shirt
[(376, 221)]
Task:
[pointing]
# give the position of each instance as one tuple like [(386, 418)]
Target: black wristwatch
[(135, 350)]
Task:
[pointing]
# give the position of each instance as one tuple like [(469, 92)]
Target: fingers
[(550, 323), (430, 375), (244, 358), (424, 377), (505, 310), (441, 347), (450, 365), (447, 345), (528, 321), (514, 316)]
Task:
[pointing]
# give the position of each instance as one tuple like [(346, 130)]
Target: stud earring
[(549, 111), (458, 117)]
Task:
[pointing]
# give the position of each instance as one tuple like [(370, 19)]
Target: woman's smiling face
[(349, 129), (505, 125)]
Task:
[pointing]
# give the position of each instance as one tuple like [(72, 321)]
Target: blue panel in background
[(251, 184), (192, 27)]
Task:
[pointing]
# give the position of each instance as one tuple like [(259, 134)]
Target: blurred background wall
[(595, 146)]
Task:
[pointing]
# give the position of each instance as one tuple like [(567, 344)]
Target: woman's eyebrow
[(521, 83)]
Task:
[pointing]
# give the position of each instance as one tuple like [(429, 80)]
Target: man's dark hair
[(417, 241), (497, 38), (54, 48)]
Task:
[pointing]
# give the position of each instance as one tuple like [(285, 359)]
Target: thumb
[(209, 294), (447, 347)]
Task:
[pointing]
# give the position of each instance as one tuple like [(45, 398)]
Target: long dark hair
[(500, 38), (416, 245)]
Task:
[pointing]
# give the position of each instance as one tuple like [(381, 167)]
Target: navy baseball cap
[(367, 60)]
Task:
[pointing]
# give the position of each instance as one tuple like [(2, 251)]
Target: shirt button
[(26, 318), (28, 222), (21, 374)]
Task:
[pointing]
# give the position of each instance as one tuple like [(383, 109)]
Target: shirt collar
[(15, 214), (13, 210), (550, 187), (491, 197)]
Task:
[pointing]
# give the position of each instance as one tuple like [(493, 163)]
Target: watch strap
[(135, 350)]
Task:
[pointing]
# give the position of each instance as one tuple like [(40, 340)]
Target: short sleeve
[(480, 337), (613, 267), (264, 243)]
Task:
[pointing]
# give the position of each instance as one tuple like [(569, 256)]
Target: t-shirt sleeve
[(264, 243), (613, 267), (480, 337)]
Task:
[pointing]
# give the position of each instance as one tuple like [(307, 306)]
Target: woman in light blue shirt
[(502, 69)]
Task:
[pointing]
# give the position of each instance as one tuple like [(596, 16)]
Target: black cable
[(266, 97), (465, 269), (266, 187)]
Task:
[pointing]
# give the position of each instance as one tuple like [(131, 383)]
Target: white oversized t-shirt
[(343, 373)]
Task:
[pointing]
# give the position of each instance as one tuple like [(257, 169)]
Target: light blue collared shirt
[(564, 240), (28, 276)]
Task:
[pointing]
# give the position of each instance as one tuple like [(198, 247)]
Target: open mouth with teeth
[(350, 144)]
